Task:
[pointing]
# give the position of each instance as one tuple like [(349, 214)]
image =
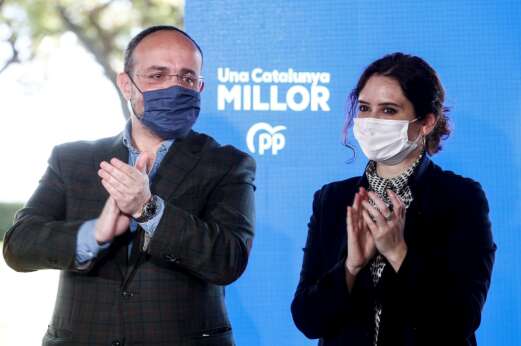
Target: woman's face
[(382, 98)]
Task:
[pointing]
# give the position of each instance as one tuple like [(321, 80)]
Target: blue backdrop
[(277, 75)]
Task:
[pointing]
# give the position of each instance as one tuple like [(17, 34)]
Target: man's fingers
[(108, 215), (112, 190), (111, 221), (141, 163), (111, 204), (133, 172), (123, 172), (116, 184), (110, 173), (122, 223), (124, 167)]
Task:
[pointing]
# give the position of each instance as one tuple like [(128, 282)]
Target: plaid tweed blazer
[(172, 292)]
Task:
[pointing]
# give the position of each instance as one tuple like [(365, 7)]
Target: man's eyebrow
[(185, 70), (182, 71), (157, 67)]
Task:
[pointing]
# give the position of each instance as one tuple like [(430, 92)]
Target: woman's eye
[(389, 111), (363, 108)]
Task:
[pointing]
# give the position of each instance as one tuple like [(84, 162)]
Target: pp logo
[(269, 138)]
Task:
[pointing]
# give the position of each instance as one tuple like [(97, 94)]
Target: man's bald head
[(129, 52)]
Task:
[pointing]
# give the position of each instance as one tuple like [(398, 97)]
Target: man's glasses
[(186, 80)]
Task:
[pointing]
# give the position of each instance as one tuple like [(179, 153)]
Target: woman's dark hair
[(420, 85)]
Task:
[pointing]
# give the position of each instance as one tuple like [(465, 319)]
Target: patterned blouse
[(379, 185)]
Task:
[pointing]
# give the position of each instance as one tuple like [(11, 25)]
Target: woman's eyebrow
[(381, 104), (390, 104)]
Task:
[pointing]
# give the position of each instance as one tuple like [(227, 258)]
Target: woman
[(402, 255)]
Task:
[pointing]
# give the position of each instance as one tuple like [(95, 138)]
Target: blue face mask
[(171, 112)]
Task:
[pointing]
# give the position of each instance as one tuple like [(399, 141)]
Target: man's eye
[(189, 80), (155, 76)]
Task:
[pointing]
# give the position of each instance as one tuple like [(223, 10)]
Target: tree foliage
[(103, 27)]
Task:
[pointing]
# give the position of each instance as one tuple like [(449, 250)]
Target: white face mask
[(385, 140)]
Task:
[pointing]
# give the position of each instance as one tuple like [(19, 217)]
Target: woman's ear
[(428, 124)]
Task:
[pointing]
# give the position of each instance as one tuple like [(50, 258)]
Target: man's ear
[(124, 86), (202, 86), (429, 122)]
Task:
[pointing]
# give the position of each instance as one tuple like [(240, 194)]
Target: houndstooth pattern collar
[(398, 184)]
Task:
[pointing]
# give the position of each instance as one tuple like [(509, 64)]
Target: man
[(146, 227)]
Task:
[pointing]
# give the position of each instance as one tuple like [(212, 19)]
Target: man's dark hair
[(128, 64)]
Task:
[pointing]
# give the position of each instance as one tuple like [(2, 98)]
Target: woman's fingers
[(381, 206), (398, 205), (373, 228), (353, 211), (376, 217), (349, 220), (363, 194), (356, 201), (353, 219)]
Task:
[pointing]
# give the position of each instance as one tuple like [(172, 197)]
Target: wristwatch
[(149, 210)]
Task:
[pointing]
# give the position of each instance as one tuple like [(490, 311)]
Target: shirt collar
[(413, 172), (127, 140), (127, 136), (399, 181)]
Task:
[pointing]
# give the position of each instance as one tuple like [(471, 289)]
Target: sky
[(61, 97)]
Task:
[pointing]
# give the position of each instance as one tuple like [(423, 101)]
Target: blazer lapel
[(418, 213), (180, 160)]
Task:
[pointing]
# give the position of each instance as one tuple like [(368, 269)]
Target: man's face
[(161, 60)]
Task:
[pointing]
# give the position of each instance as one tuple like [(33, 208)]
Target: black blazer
[(171, 294), (437, 295)]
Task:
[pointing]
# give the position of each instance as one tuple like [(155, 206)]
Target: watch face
[(149, 210), (150, 207)]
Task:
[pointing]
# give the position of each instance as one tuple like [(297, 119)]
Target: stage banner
[(277, 75)]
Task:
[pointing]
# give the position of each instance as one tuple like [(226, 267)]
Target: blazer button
[(126, 294), (171, 258)]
